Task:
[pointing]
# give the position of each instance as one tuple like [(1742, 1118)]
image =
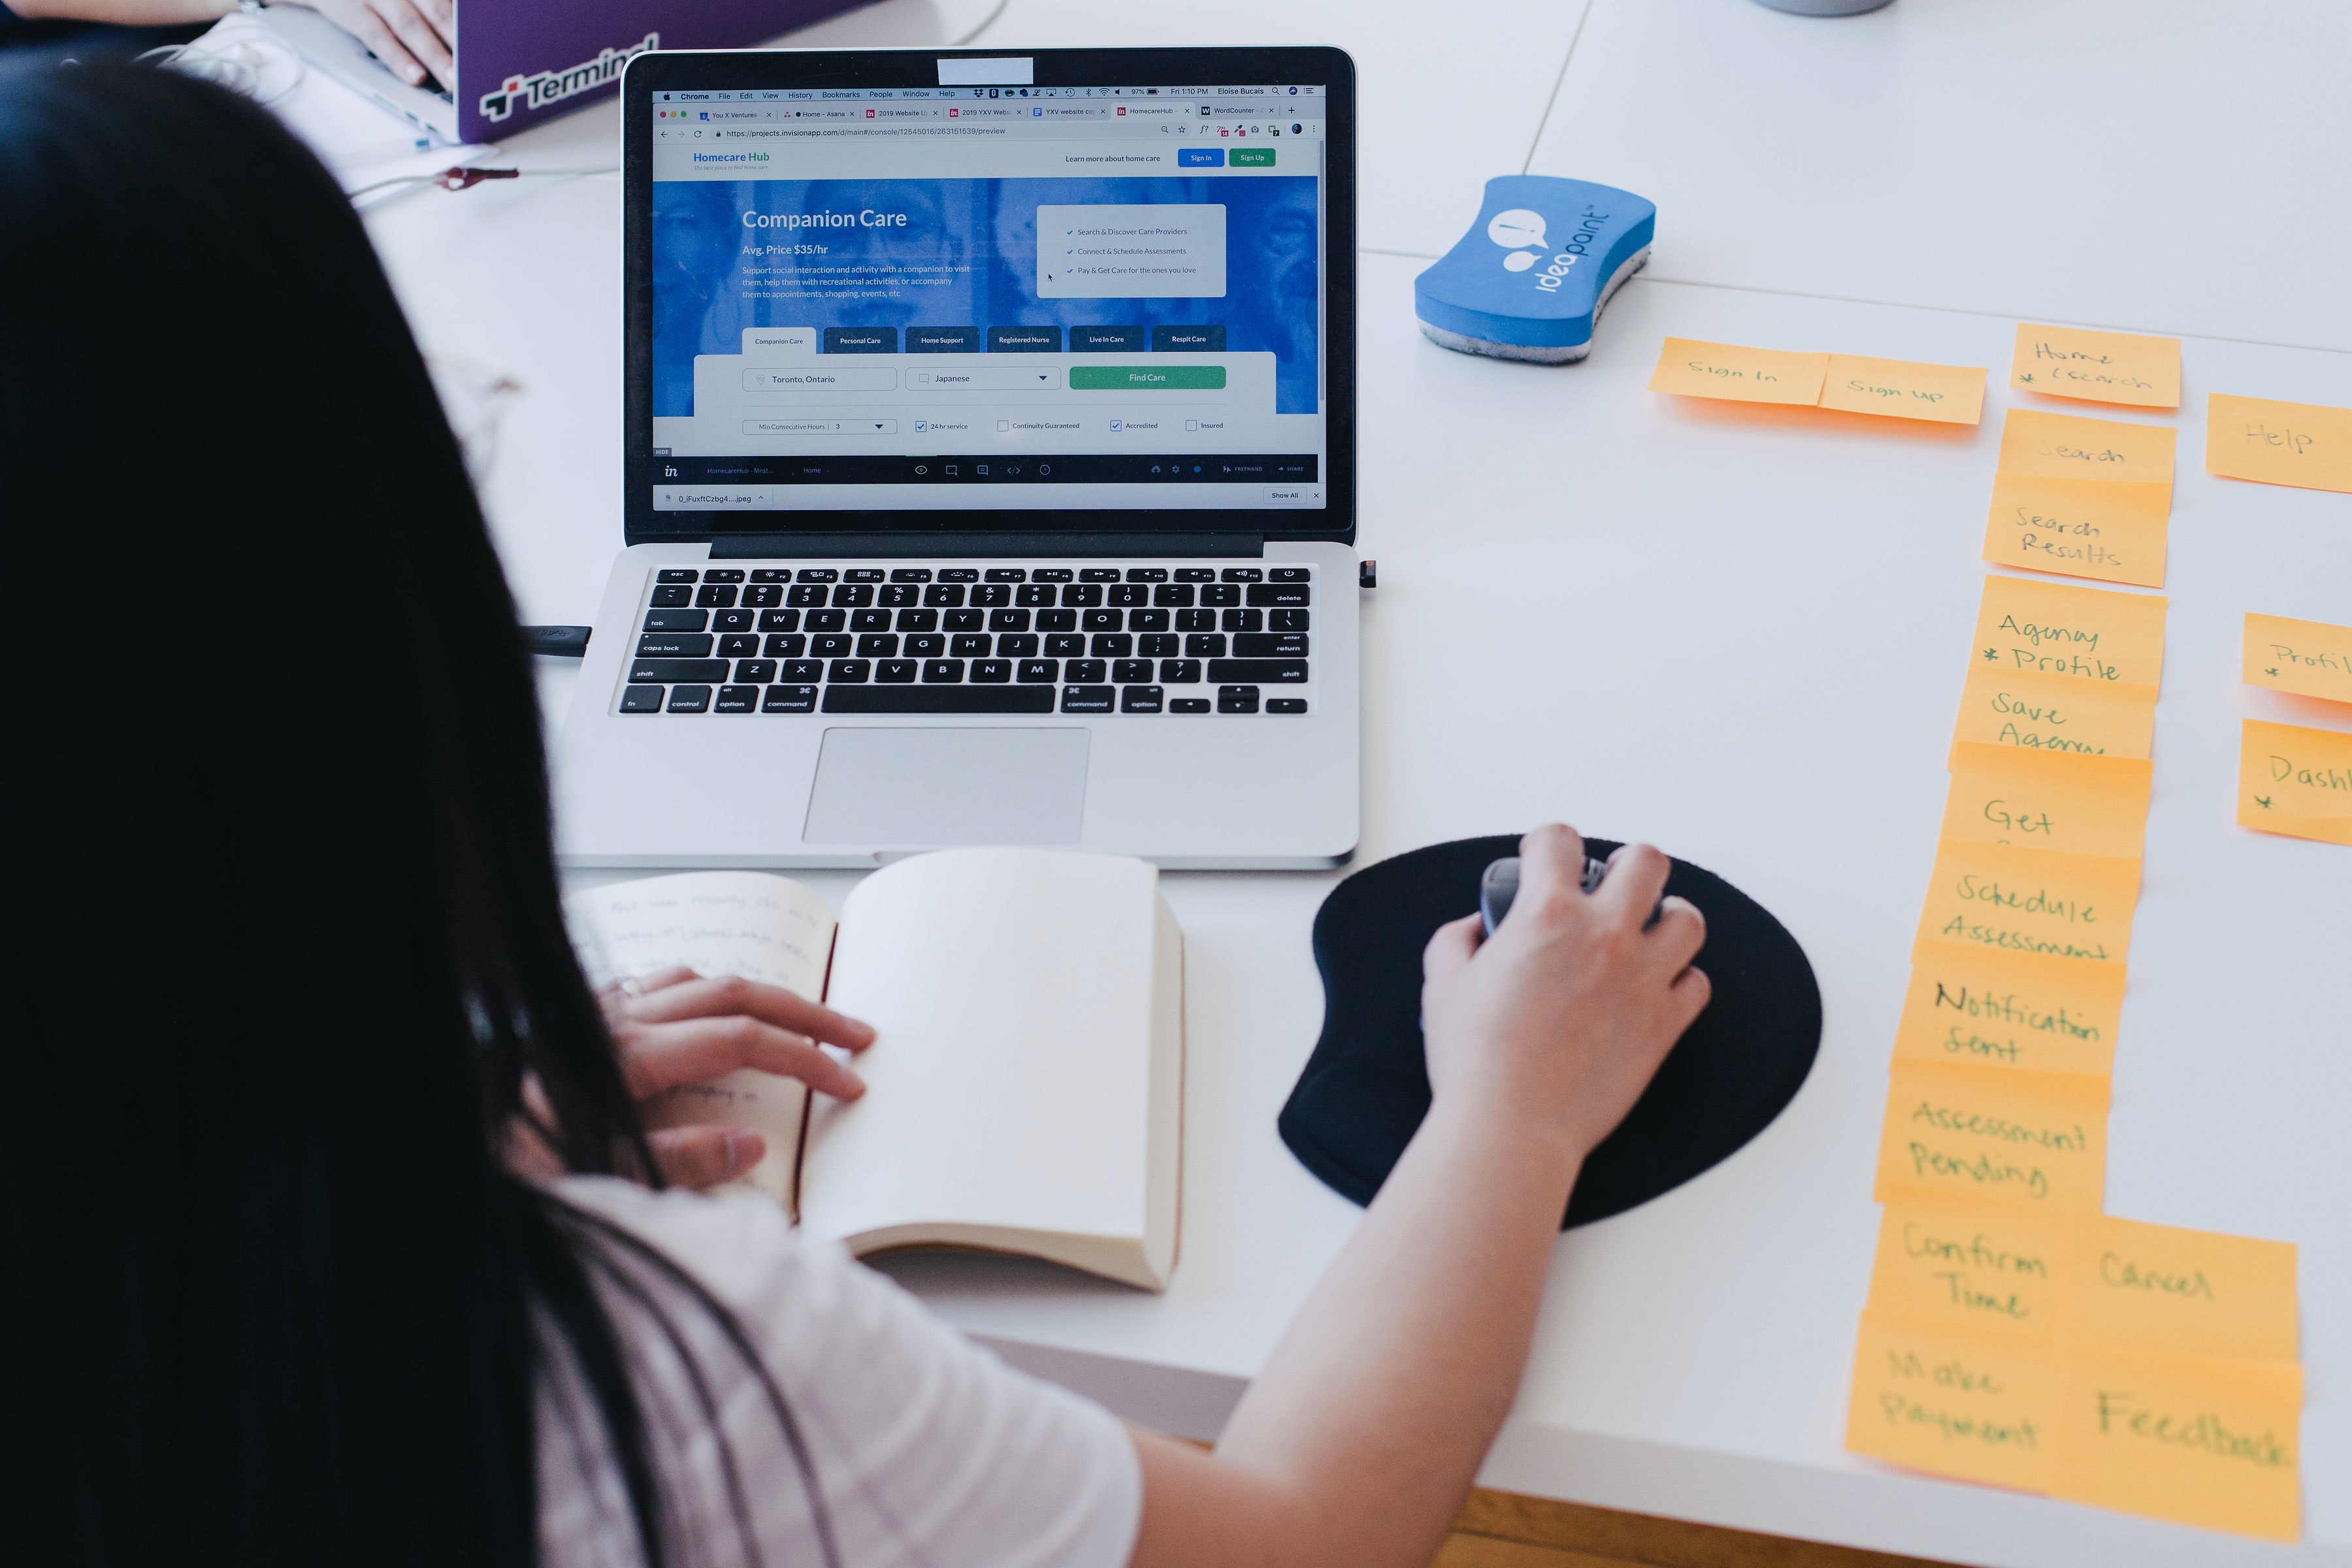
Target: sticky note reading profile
[(1694, 369), (1962, 1134), (2111, 530), (2306, 444), (1904, 389), (2190, 1292), (2009, 1011), (2310, 659), (2098, 367), (1967, 1403), (2195, 1439), (2295, 782)]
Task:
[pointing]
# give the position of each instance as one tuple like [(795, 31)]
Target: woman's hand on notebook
[(678, 1027)]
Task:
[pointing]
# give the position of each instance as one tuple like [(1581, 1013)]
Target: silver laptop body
[(329, 48)]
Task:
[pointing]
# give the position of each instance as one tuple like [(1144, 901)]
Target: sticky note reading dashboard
[(1160, 250)]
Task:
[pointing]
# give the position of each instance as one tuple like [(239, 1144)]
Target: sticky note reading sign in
[(1904, 389), (2098, 367), (2295, 782), (1694, 369), (2190, 1438), (2039, 901), (2055, 713), (1159, 251), (2069, 447), (2009, 1011), (2307, 445), (2113, 529), (1981, 1405), (1971, 1266), (2088, 633), (2191, 1292), (2088, 805), (2310, 659)]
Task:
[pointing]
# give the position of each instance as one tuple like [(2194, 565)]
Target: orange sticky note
[(2295, 782), (2086, 805), (2191, 1292), (2307, 445), (2098, 367), (1971, 1266), (2009, 1011), (2057, 713), (2113, 529), (1690, 368), (1967, 1403), (2193, 1439), (2034, 1142), (2041, 901), (1904, 389), (2310, 659), (2055, 629), (2070, 447)]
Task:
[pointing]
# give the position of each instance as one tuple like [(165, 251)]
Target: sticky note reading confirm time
[(1695, 369), (2009, 1011), (1971, 1266), (2307, 445), (2295, 782), (2310, 659), (2098, 367), (2194, 1293)]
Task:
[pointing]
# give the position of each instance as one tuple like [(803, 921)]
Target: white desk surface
[(1739, 633)]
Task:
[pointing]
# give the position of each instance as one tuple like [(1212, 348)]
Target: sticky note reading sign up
[(2098, 367), (1904, 389), (1691, 368), (2306, 444)]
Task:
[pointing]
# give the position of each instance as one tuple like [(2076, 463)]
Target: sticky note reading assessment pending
[(2194, 1439), (2190, 1292), (2098, 367), (2045, 901), (2310, 659), (1904, 389), (2070, 447), (2088, 805), (2112, 530), (1959, 1133), (2053, 628), (2307, 445), (1695, 369), (2009, 1011), (2295, 782), (2055, 713), (1977, 1405), (1971, 1266)]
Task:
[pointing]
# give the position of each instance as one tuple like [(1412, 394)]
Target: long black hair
[(290, 938)]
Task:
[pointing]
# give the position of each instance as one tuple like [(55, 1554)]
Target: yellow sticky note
[(1978, 1405), (2034, 1142), (2113, 529), (2191, 1292), (2044, 901), (1971, 1266), (2310, 659), (2295, 780), (2070, 447), (2039, 712), (1694, 369), (2055, 629), (2086, 805), (2098, 367), (1904, 389), (2009, 1011), (2189, 1439), (2307, 445)]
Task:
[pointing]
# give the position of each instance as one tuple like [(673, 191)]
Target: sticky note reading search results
[(2310, 659), (2307, 445), (2098, 367), (2055, 713), (2088, 805), (1978, 1405), (1971, 1266), (2069, 447), (1904, 389), (2113, 529), (2009, 1011), (1958, 1132), (2051, 628), (2190, 1292), (2295, 782), (2042, 901), (2190, 1438), (1695, 369)]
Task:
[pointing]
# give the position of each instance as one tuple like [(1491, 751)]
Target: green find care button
[(1251, 158), (1145, 378)]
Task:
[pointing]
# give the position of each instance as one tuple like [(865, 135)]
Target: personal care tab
[(2092, 634), (1904, 389), (2306, 444), (2036, 1143), (2009, 1012), (2192, 1292), (2070, 447), (2098, 367), (2295, 780), (1691, 368), (2039, 901), (2310, 659), (2088, 805)]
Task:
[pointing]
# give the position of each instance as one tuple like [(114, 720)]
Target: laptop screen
[(990, 298)]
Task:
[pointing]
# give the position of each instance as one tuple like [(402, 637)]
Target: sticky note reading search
[(2009, 1011), (2088, 805), (2113, 529), (2307, 445), (2094, 635), (1961, 1132), (2055, 713), (1971, 1266), (2191, 1292), (2098, 367), (1978, 1405), (2070, 447), (2310, 659), (1694, 369), (2042, 901), (1904, 389), (2295, 782), (2190, 1438)]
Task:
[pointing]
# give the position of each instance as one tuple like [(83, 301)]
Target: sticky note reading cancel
[(2113, 529), (1978, 1405), (2009, 1011), (2098, 367), (2042, 901), (1904, 389), (2094, 635), (2028, 1142), (2307, 445), (2192, 1292), (1694, 369), (2089, 806), (2190, 1438), (2055, 713), (2310, 659), (2295, 782)]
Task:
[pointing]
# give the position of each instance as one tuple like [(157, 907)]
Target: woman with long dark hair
[(333, 1235)]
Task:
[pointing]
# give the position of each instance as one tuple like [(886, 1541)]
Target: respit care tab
[(1529, 279)]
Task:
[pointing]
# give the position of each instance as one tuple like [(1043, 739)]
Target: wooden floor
[(1503, 1530)]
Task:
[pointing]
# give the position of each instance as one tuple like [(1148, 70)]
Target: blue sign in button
[(1200, 157)]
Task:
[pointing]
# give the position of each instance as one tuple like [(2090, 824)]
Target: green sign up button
[(1146, 378), (1251, 158)]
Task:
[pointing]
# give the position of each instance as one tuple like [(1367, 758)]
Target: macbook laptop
[(331, 49), (990, 462)]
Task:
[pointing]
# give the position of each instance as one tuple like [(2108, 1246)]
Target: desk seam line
[(1558, 82)]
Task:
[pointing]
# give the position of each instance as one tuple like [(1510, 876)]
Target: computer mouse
[(1529, 279), (1500, 885)]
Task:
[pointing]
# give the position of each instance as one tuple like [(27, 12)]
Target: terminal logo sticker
[(541, 89)]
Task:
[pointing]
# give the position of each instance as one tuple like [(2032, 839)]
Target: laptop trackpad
[(924, 787)]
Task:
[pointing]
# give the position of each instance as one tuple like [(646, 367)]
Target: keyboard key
[(1140, 699), (1237, 575), (742, 645), (1287, 620), (1146, 573), (1271, 645), (1127, 595), (918, 620), (898, 595), (1008, 620), (666, 671), (1129, 671), (852, 596), (1196, 620), (1245, 620), (790, 699), (1032, 595), (780, 620), (673, 644), (1195, 574), (761, 596), (771, 575), (1262, 671), (878, 644), (1174, 595), (676, 575), (958, 575), (791, 646), (1057, 620), (1188, 705), (1218, 595), (831, 644), (849, 671), (939, 700), (723, 575), (802, 671), (641, 700), (805, 596), (739, 700), (1146, 620), (1084, 671), (942, 671), (991, 670), (1040, 671), (1236, 699), (1008, 574), (1289, 574), (816, 574), (1099, 575), (1112, 645), (666, 598), (863, 574), (1278, 594), (970, 646), (1101, 620), (1082, 595), (925, 645), (1088, 699), (1017, 645), (1205, 645), (689, 699), (676, 620), (897, 671), (944, 595), (991, 595), (710, 596), (964, 620), (1050, 575), (1065, 644), (755, 671), (1180, 671), (869, 620), (1285, 705), (1162, 646), (826, 620), (910, 574), (734, 620)]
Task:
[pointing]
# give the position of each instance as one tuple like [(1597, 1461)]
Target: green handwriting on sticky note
[(2045, 800), (2295, 780), (2009, 1011), (2039, 901), (2055, 713), (2310, 659), (2307, 445), (2190, 1438), (1970, 1265), (2095, 635), (1904, 389), (1952, 1400), (2098, 367), (1997, 1138), (2194, 1292), (2112, 530), (1690, 368), (2069, 447)]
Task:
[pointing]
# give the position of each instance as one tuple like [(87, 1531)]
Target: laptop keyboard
[(973, 640)]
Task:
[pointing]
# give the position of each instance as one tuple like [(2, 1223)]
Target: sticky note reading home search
[(2055, 713), (2194, 1439), (2038, 1144), (1691, 368), (2094, 635), (2089, 806), (1904, 389), (2039, 901), (2009, 1012), (2306, 444), (1966, 1403), (2112, 530), (2295, 782), (2191, 1292), (1971, 1266), (2310, 659), (2098, 367), (2070, 447)]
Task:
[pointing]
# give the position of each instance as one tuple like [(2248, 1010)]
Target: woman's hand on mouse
[(1558, 1020)]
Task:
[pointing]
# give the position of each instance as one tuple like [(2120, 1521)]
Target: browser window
[(1077, 297)]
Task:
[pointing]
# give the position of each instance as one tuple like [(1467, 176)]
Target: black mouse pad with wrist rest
[(1365, 1090)]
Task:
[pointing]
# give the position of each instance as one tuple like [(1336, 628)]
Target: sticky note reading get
[(2070, 447), (2098, 367), (2055, 713), (1904, 389), (2113, 529), (1971, 1266), (2044, 901), (1978, 1405), (2189, 1439), (2191, 1292), (2310, 659), (1960, 1132), (2053, 628), (2088, 805), (2295, 782), (1694, 369), (2009, 1011), (2307, 445)]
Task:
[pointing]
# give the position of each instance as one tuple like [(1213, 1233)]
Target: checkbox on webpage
[(1116, 425), (1003, 424), (1191, 424)]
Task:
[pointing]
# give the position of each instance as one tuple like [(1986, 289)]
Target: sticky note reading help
[(2009, 1011), (2191, 1292), (2113, 529), (2054, 628), (2098, 367), (2055, 713), (2087, 805), (2295, 782), (2042, 901), (2307, 445), (2189, 1439), (1904, 389), (1978, 1405), (2310, 659), (1971, 1266), (1690, 368), (2070, 447), (1960, 1132)]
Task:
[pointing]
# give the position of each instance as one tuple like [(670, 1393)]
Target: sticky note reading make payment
[(2194, 1292), (2295, 782), (1694, 369), (1978, 1405), (2089, 806), (2112, 530), (2009, 1011), (2098, 367), (1970, 1265), (2052, 628), (2055, 713), (1964, 1133), (2306, 444), (2042, 901), (2310, 659), (2189, 1439), (1904, 389), (2069, 447)]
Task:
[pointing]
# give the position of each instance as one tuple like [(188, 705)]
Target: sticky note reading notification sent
[(2098, 367), (2009, 1012), (2307, 445), (2310, 659), (2295, 782), (1691, 368)]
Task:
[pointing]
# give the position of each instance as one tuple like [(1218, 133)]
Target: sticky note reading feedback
[(2055, 713), (2098, 367), (2191, 1438), (2033, 1142), (2307, 445), (2191, 1292), (1971, 1266), (2094, 635), (1695, 369), (2089, 806), (1978, 1405), (2295, 782), (1904, 389), (2011, 1011), (2113, 529), (2069, 447), (2310, 659), (2042, 901)]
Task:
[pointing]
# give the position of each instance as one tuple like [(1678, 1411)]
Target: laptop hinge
[(893, 546)]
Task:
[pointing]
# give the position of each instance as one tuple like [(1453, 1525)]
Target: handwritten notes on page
[(2192, 1292), (2055, 713), (1904, 389), (2034, 1142), (2098, 367), (1978, 1404), (2044, 901), (2092, 635), (1695, 369), (2310, 659), (2306, 444), (2009, 1012), (1891, 388), (2089, 806), (2112, 530), (2196, 1439), (2295, 782)]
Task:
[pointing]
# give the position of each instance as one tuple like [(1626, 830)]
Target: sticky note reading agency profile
[(2098, 367), (2306, 444), (1970, 1265), (2088, 805), (1978, 1405), (2095, 635), (2295, 782), (2191, 1292), (1690, 368), (1904, 389), (2310, 659), (2042, 901), (2112, 530), (2070, 447), (2055, 713), (2009, 1011), (2195, 1439), (1959, 1134)]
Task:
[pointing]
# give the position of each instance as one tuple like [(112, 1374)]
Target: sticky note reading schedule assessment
[(2098, 367), (1895, 388), (2310, 659), (2306, 444), (2295, 782), (2039, 901)]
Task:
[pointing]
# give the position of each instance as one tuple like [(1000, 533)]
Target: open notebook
[(1025, 1087)]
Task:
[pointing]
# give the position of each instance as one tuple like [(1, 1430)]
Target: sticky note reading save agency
[(2307, 445), (2098, 367), (2310, 659), (1976, 1405), (1961, 1133), (2055, 713), (2191, 1292), (2193, 1439), (2044, 901), (2111, 530), (2070, 447), (2088, 805), (2009, 1011), (1904, 389), (2094, 635), (1971, 1266), (1694, 369), (2296, 781)]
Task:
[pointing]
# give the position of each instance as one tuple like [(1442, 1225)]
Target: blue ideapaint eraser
[(1529, 279)]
